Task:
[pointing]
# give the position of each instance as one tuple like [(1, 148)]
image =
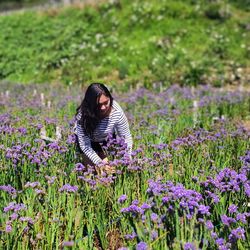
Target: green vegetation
[(186, 42), (187, 183), (7, 5)]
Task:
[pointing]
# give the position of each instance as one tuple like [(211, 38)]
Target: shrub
[(217, 11)]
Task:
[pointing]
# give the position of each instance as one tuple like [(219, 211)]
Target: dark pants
[(96, 146)]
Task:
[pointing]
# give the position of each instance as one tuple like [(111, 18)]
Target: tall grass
[(187, 185)]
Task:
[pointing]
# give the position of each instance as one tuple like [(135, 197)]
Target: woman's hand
[(105, 160), (107, 169)]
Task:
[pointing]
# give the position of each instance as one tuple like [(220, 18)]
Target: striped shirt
[(116, 123)]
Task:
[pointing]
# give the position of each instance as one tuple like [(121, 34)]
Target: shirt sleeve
[(124, 131), (85, 145)]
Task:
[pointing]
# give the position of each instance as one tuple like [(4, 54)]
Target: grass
[(142, 41), (179, 152)]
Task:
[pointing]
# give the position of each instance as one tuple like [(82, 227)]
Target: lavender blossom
[(68, 243), (204, 210), (142, 246), (242, 217), (238, 233), (154, 217), (14, 207), (133, 209), (27, 219), (8, 228), (227, 220), (122, 198), (130, 236), (145, 206), (50, 179), (32, 184), (68, 188), (13, 216), (154, 235), (189, 246), (214, 235), (220, 242), (79, 167), (247, 189), (232, 208), (9, 189), (209, 225)]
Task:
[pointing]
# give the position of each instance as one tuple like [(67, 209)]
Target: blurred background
[(125, 42)]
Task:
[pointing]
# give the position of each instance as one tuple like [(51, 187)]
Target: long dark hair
[(89, 106)]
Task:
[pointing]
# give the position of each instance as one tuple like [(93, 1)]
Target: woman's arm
[(85, 145), (124, 131)]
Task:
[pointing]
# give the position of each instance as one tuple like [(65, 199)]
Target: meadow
[(187, 186), (128, 42), (180, 71)]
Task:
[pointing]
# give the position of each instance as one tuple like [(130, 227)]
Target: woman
[(98, 116)]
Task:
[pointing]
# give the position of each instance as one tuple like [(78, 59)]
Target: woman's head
[(96, 105), (98, 100)]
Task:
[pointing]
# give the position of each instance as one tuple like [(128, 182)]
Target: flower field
[(187, 186)]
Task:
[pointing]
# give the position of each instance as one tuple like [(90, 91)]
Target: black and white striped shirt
[(116, 123)]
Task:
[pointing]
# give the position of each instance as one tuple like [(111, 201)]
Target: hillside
[(129, 42)]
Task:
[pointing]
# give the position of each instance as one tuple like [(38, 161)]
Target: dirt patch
[(239, 87), (246, 124), (115, 240)]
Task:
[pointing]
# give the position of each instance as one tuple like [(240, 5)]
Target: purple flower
[(209, 225), (28, 219), (156, 188), (189, 246), (247, 188), (214, 235), (32, 184), (9, 189), (195, 178), (238, 233), (79, 167), (242, 178), (241, 217), (154, 217), (71, 139), (15, 207), (204, 209), (133, 209), (165, 199), (145, 206), (154, 235), (39, 191), (68, 188), (143, 218), (232, 208), (22, 131), (142, 246), (220, 241), (130, 236), (135, 202), (8, 228), (68, 243), (14, 216), (215, 198), (227, 220), (50, 179), (201, 220), (122, 198)]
